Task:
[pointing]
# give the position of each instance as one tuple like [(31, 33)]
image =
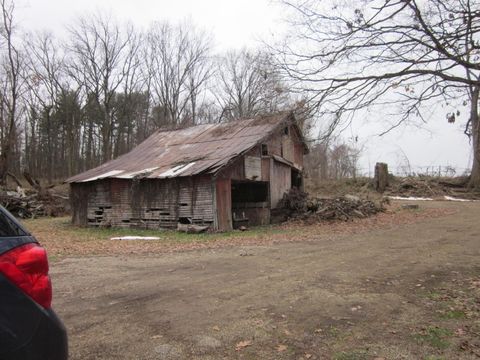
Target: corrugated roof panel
[(190, 151)]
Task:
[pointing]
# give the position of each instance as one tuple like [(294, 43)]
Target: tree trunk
[(381, 177), (106, 134), (50, 152), (4, 162), (474, 181), (5, 157)]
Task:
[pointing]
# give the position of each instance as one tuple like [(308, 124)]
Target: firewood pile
[(26, 204), (299, 205)]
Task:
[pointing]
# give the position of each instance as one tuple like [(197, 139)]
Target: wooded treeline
[(70, 104)]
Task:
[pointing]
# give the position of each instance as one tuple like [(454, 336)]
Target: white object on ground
[(449, 198), (412, 198), (135, 238)]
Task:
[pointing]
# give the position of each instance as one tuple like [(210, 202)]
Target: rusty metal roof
[(190, 151)]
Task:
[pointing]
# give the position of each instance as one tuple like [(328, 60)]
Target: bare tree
[(131, 101), (397, 57), (248, 85), (178, 61), (44, 78), (103, 56), (10, 88), (333, 158), (343, 161), (316, 161)]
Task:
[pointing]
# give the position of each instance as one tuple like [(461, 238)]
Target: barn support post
[(223, 190)]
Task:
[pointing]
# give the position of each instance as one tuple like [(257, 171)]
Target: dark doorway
[(249, 191), (297, 180), (250, 203)]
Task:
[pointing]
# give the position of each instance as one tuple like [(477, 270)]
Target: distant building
[(221, 175)]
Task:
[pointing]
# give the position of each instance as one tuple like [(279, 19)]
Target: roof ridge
[(218, 145)]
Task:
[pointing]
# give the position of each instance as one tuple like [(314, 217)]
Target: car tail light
[(27, 267)]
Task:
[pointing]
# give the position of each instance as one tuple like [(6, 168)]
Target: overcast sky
[(237, 24)]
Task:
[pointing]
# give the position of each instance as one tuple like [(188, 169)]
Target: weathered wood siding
[(253, 167), (266, 168), (223, 196), (280, 182), (256, 213), (143, 203), (289, 146), (79, 201), (274, 145), (246, 167), (298, 148)]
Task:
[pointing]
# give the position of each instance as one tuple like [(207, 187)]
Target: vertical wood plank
[(224, 204)]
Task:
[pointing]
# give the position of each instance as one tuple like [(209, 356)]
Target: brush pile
[(427, 186), (299, 205), (26, 204)]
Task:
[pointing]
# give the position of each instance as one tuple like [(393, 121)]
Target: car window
[(8, 226)]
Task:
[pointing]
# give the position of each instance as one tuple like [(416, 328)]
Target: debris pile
[(299, 205), (427, 186), (25, 204)]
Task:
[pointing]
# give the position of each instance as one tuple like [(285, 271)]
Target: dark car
[(29, 328)]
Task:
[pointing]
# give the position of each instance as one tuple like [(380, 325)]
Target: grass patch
[(333, 331), (432, 295), (61, 238), (351, 355), (435, 337), (89, 233), (453, 314)]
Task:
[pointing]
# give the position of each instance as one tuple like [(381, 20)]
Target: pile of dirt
[(26, 203), (300, 205)]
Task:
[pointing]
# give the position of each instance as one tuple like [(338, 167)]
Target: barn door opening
[(297, 180), (250, 203)]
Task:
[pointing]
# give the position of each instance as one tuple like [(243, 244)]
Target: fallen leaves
[(281, 348), (243, 344), (475, 284), (355, 308), (60, 238)]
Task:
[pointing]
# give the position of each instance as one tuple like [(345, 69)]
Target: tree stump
[(380, 180)]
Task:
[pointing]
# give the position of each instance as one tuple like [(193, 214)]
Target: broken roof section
[(191, 151)]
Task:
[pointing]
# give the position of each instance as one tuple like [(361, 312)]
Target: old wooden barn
[(220, 175)]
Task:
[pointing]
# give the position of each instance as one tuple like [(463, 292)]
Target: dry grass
[(60, 238), (329, 188)]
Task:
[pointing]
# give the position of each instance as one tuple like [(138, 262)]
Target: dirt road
[(410, 292)]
